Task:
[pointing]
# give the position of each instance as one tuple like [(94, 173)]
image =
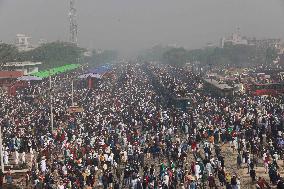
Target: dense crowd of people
[(128, 137)]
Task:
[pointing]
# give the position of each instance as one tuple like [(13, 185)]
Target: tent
[(92, 75), (29, 78), (55, 71), (101, 70)]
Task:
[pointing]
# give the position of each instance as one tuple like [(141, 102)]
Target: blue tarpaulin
[(100, 70)]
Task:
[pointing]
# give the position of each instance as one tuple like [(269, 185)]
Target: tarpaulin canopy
[(92, 75), (29, 78), (55, 71), (101, 70)]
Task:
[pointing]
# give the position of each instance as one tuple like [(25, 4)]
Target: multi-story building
[(234, 39), (265, 43), (23, 42), (237, 39), (26, 68)]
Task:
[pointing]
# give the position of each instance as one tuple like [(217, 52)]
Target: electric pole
[(51, 104), (1, 150), (72, 86)]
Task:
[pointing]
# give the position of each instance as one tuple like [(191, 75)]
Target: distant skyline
[(132, 25)]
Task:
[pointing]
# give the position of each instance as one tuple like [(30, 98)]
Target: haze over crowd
[(131, 25)]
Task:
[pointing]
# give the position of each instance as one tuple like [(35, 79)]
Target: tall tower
[(73, 23)]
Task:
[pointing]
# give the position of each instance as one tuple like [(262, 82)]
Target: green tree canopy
[(54, 54), (8, 53), (50, 54), (232, 55), (176, 56), (155, 53), (103, 57)]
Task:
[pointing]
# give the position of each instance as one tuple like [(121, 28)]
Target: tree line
[(237, 55), (54, 54), (230, 55)]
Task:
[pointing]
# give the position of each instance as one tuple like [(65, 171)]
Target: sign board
[(75, 109)]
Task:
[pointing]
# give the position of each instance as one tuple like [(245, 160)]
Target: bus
[(266, 89)]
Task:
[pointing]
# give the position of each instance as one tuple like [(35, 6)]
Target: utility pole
[(72, 92), (51, 103), (1, 150)]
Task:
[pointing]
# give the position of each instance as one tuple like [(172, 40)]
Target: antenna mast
[(73, 23)]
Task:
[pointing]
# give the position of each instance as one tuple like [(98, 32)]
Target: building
[(237, 39), (26, 67), (234, 39), (265, 43), (42, 42), (7, 75), (210, 45), (23, 42), (88, 53), (8, 81), (217, 88), (281, 59), (281, 49)]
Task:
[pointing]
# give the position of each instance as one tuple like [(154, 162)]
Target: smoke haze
[(131, 25)]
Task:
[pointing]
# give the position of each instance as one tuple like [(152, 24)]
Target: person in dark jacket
[(234, 182), (105, 181), (252, 175), (221, 176), (1, 178), (280, 184), (239, 161), (116, 185)]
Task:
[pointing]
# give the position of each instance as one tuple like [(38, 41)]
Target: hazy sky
[(131, 25)]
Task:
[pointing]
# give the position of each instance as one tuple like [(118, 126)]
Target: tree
[(103, 57), (55, 54), (8, 53), (155, 53), (230, 55), (176, 56), (51, 54), (271, 55)]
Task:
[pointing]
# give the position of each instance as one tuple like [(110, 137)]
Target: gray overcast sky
[(131, 25)]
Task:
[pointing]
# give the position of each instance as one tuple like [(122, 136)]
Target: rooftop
[(21, 64), (10, 74), (217, 84)]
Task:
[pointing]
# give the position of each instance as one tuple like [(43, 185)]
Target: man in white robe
[(16, 157), (6, 157), (197, 171), (23, 157), (43, 165)]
